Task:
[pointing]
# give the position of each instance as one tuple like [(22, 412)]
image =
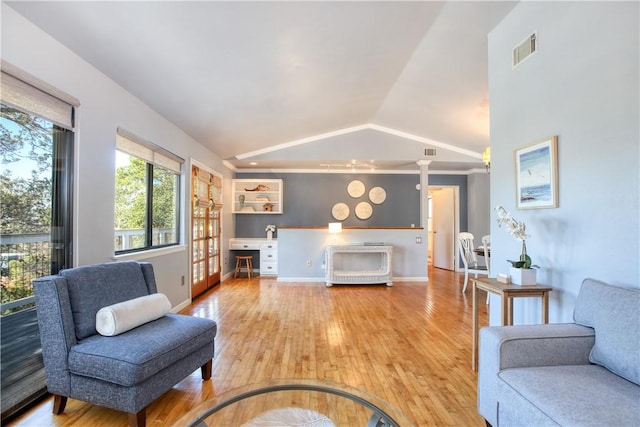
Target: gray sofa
[(577, 374), (128, 370)]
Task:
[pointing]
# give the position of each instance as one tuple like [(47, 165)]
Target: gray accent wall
[(309, 197), (583, 86), (478, 209)]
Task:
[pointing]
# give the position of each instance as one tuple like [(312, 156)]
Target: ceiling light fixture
[(486, 158)]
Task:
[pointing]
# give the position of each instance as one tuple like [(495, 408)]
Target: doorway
[(205, 230), (444, 226)]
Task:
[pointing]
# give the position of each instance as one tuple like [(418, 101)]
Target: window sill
[(152, 253)]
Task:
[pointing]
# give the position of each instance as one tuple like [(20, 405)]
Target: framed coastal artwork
[(537, 175)]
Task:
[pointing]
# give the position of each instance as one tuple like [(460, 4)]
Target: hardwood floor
[(409, 344)]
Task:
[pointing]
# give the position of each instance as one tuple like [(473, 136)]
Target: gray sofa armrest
[(503, 347)]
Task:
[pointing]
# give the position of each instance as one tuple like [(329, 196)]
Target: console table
[(507, 292), (358, 264)]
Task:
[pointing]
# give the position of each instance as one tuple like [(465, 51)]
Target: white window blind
[(147, 151), (23, 95)]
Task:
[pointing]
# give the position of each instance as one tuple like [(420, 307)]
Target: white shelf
[(252, 196)]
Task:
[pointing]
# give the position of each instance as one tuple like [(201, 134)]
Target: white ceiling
[(298, 84)]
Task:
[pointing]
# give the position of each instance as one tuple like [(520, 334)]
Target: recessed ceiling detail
[(246, 77)]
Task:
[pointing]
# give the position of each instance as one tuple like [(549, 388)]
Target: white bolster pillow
[(118, 318)]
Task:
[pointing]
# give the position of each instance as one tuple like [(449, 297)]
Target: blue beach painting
[(535, 173)]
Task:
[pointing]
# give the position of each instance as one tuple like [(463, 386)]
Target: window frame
[(32, 96), (154, 157)]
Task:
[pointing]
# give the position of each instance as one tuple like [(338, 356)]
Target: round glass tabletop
[(295, 403)]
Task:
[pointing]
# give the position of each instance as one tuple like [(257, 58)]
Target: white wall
[(581, 85), (105, 106)]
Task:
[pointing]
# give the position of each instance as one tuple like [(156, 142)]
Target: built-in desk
[(268, 250)]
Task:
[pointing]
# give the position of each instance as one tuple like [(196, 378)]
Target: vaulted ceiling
[(304, 85)]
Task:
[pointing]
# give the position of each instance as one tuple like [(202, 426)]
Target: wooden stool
[(248, 262)]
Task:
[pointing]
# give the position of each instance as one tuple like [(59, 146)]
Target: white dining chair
[(469, 259), (486, 246)]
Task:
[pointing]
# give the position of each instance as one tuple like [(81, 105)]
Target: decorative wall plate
[(355, 188), (377, 195), (340, 211), (363, 210)]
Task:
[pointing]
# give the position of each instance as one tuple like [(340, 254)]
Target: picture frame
[(536, 168)]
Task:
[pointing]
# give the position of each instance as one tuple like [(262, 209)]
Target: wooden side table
[(507, 292)]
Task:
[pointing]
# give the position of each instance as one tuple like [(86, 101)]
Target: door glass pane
[(213, 265), (35, 242), (201, 253), (201, 266)]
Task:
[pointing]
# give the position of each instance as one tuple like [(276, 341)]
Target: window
[(147, 202), (36, 156)]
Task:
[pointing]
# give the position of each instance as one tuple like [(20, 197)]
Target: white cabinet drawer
[(268, 267), (269, 259), (268, 255), (244, 246), (269, 246)]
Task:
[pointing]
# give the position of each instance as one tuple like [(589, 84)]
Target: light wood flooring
[(409, 344)]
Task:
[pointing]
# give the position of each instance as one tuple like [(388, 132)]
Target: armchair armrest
[(503, 347), (57, 333)]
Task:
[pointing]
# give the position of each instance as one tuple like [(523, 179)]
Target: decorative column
[(424, 192)]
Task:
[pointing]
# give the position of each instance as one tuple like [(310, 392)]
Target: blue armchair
[(126, 371)]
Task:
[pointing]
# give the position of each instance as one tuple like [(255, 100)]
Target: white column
[(424, 192)]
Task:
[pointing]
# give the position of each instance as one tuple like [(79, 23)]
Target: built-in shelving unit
[(257, 196)]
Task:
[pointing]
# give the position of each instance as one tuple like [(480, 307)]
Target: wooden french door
[(205, 231)]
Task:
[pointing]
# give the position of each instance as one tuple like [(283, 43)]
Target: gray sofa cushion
[(614, 313), (92, 287), (585, 395), (128, 359)]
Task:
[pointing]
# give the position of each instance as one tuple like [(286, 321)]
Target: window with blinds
[(207, 189), (147, 195), (36, 127)]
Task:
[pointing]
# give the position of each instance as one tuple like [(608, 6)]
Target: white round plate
[(340, 211), (377, 195), (363, 210), (355, 188)]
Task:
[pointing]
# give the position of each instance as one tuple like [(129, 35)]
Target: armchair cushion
[(613, 313), (93, 287), (129, 359), (123, 316), (567, 395), (503, 347)]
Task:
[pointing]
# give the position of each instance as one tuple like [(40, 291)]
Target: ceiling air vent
[(525, 49), (430, 152)]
